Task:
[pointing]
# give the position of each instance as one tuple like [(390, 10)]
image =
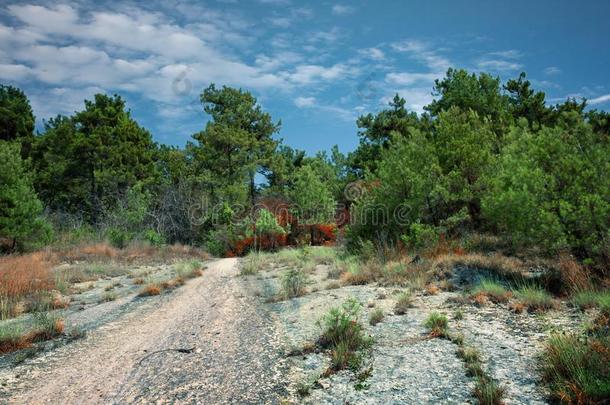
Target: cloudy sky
[(314, 65)]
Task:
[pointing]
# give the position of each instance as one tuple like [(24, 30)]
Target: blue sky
[(314, 65)]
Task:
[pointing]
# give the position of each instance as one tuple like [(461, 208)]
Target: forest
[(486, 157)]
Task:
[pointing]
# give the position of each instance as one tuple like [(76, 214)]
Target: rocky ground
[(227, 338)]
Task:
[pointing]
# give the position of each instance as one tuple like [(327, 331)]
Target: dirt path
[(228, 353)]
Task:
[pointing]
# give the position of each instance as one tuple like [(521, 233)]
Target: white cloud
[(407, 79), (372, 53), (599, 100), (552, 70), (308, 74), (510, 54), (304, 101), (342, 9), (498, 65), (421, 52)]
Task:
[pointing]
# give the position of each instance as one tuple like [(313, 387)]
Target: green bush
[(153, 237), (118, 237), (421, 236), (293, 283), (344, 334)]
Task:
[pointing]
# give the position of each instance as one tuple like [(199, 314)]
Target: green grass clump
[(344, 335), (437, 324), (376, 316), (252, 263), (189, 269), (495, 291), (108, 296), (577, 368), (488, 392), (592, 299), (403, 303), (535, 298), (293, 283)]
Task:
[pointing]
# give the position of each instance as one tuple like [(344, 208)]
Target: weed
[(535, 298), (293, 283), (458, 315), (304, 386), (437, 324), (376, 316), (138, 281), (403, 303)]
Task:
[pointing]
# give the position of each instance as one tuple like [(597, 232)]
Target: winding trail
[(207, 342)]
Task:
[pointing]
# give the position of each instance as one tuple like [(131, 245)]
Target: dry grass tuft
[(432, 289), (150, 290)]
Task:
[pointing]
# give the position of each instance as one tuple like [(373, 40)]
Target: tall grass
[(577, 369), (21, 278)]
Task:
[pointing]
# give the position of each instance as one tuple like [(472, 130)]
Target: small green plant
[(535, 298), (404, 301), (304, 386), (293, 283), (437, 324), (376, 316), (458, 315), (108, 296)]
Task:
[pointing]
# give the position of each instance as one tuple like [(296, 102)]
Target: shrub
[(577, 369), (421, 236), (118, 238), (403, 303), (376, 316), (293, 283), (153, 237), (344, 334), (437, 324), (535, 298)]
